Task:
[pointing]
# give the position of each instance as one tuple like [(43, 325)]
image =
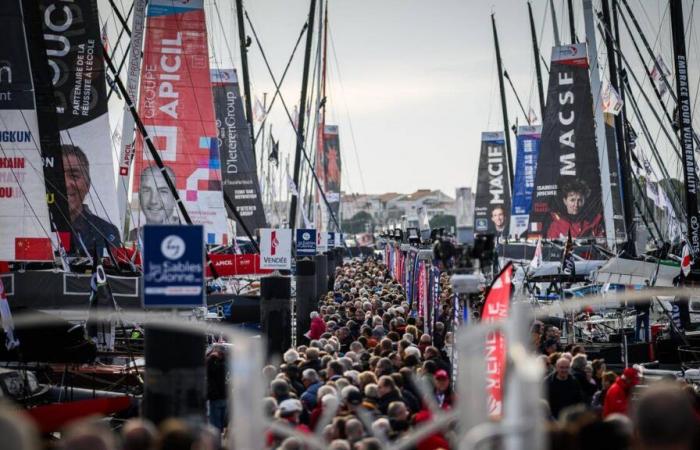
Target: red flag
[(33, 249), (686, 261), (496, 308)]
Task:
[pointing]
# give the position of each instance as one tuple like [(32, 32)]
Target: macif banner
[(492, 204), (567, 194), (176, 105), (528, 148), (239, 172), (77, 70)]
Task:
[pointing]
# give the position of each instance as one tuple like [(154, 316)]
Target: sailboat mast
[(555, 26), (572, 22), (622, 153), (686, 128), (536, 55), (601, 140), (504, 108), (244, 69), (302, 112)]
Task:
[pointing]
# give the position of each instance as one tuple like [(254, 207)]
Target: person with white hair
[(312, 383), (291, 356), (317, 327)]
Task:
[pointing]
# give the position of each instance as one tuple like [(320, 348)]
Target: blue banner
[(528, 149), (173, 266), (331, 240), (306, 242)]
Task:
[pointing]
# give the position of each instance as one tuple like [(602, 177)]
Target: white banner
[(276, 248)]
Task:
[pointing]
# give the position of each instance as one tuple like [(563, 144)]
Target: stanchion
[(321, 275), (306, 298), (175, 378), (276, 313), (331, 269)]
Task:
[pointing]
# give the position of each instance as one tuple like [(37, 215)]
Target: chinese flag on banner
[(33, 249), (496, 308)]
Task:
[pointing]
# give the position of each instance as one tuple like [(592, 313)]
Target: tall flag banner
[(568, 263), (528, 148), (239, 171), (615, 180), (25, 225), (567, 193), (8, 324), (536, 262), (72, 35), (686, 260), (176, 105), (659, 71), (492, 203), (330, 161), (496, 308), (464, 203)]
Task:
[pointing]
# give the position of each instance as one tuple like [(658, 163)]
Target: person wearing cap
[(443, 391), (619, 394), (290, 411)]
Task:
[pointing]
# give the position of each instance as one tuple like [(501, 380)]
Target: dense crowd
[(368, 374)]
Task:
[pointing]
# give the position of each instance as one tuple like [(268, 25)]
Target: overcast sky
[(414, 79)]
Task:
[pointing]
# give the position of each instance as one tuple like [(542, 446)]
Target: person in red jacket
[(574, 194), (317, 328), (619, 394)]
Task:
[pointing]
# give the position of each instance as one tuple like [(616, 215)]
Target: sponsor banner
[(233, 265), (276, 248), (330, 239), (331, 164), (73, 41), (615, 180), (24, 216), (173, 266), (567, 195), (528, 148), (321, 242), (306, 242), (176, 106), (239, 171), (338, 239), (464, 202), (496, 308), (492, 203)]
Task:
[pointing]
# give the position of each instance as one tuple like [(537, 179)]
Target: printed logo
[(274, 242), (172, 247), (306, 236)]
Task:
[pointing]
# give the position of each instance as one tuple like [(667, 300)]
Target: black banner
[(616, 194), (567, 196), (238, 168), (492, 203), (686, 129)]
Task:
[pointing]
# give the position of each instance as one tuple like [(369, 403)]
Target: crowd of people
[(369, 373)]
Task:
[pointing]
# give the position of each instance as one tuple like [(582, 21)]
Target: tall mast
[(572, 22), (555, 26), (622, 153), (302, 112), (536, 55), (686, 128), (601, 141), (244, 69), (504, 108)]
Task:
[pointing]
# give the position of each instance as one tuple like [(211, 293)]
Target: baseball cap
[(631, 374), (441, 375), (289, 406)]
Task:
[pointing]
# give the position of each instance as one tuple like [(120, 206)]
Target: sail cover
[(528, 148), (238, 168), (177, 108), (492, 203), (77, 69), (567, 194), (331, 171), (24, 215)]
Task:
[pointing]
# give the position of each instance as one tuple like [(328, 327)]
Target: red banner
[(232, 265), (496, 308)]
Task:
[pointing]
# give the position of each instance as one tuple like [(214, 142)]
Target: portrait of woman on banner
[(575, 211)]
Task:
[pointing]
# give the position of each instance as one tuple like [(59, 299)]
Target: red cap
[(441, 374), (631, 374)]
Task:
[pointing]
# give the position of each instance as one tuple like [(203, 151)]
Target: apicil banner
[(492, 203), (276, 248), (24, 215), (77, 70), (528, 148), (177, 107), (306, 242), (331, 170), (238, 168), (173, 266), (567, 193), (496, 308)]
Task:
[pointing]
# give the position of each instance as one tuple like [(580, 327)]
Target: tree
[(446, 221), (358, 223)]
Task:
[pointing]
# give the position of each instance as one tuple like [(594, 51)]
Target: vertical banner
[(615, 181), (276, 248), (176, 105), (496, 307), (239, 173), (306, 242), (331, 170), (528, 148), (24, 215), (492, 203), (77, 69), (567, 193), (464, 203)]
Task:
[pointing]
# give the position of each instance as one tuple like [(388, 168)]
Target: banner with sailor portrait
[(492, 203)]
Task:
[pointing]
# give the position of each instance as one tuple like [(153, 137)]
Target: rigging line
[(347, 110), (125, 28), (517, 97), (120, 17), (291, 121)]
